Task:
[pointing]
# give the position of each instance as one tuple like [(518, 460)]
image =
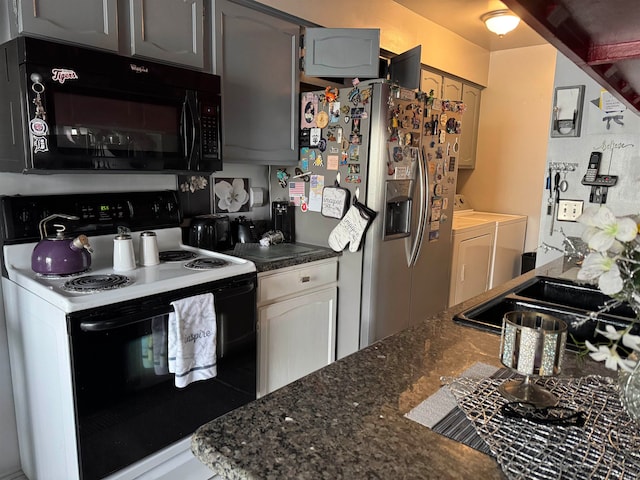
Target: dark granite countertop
[(346, 421), (281, 255)]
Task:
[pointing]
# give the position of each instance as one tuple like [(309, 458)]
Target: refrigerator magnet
[(315, 134), (354, 153), (322, 120), (334, 134), (309, 109), (332, 162), (334, 112)]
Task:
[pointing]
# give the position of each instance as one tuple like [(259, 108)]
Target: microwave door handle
[(189, 110), (183, 127)]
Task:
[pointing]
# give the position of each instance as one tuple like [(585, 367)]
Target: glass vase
[(629, 383)]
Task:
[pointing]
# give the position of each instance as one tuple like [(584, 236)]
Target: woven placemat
[(607, 446)]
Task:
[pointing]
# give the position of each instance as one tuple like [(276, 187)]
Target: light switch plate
[(569, 210)]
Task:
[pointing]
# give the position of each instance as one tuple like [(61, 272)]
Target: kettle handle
[(43, 227)]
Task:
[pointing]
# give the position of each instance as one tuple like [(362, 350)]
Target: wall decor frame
[(568, 104)]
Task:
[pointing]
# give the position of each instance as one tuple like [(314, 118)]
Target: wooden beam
[(550, 19), (599, 54)]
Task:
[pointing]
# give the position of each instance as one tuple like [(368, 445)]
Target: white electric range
[(93, 400)]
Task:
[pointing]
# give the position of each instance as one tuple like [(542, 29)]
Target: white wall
[(512, 136), (621, 156)]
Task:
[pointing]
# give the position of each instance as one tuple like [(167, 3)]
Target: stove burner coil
[(206, 264), (96, 283), (176, 256)]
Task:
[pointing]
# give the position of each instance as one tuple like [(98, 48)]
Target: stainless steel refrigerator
[(397, 149)]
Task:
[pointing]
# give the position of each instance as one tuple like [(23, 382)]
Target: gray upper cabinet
[(451, 89), (469, 137), (256, 55), (447, 88), (431, 81), (168, 30), (443, 87), (86, 22), (405, 69), (342, 52)]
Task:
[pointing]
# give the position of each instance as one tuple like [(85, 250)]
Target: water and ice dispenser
[(397, 215)]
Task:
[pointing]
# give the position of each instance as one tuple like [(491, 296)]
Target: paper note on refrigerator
[(315, 192)]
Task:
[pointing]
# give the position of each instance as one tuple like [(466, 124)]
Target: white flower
[(610, 356), (614, 262), (610, 332), (605, 231), (232, 196), (631, 341), (604, 269)]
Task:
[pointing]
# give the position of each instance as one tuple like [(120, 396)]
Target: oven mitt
[(350, 230)]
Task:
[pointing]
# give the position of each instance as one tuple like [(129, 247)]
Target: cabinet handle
[(305, 279)]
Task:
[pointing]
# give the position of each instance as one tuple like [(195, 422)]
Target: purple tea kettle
[(60, 255)]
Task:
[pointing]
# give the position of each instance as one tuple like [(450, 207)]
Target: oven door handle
[(104, 325)]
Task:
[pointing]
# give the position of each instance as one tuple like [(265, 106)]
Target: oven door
[(127, 406)]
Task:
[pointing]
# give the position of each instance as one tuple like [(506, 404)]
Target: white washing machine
[(473, 242), (509, 239)]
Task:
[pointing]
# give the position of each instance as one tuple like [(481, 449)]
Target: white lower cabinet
[(296, 322)]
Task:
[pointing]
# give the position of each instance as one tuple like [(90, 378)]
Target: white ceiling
[(463, 18)]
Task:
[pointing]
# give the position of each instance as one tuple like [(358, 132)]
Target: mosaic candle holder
[(532, 344)]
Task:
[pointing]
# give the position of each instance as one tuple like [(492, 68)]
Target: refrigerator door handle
[(423, 211)]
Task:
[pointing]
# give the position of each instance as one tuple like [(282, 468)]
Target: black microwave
[(70, 109)]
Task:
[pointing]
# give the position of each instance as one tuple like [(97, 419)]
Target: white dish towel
[(192, 339)]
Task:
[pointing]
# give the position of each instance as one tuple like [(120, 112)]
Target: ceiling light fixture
[(500, 22)]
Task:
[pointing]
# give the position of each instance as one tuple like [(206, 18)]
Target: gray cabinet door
[(168, 30), (469, 136), (430, 80), (257, 57), (451, 89), (88, 22), (405, 69), (342, 52)]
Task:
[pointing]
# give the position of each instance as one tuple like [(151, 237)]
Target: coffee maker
[(283, 217)]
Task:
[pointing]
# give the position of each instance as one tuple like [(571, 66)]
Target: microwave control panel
[(210, 130)]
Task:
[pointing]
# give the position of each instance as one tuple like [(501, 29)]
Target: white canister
[(148, 253), (124, 258)]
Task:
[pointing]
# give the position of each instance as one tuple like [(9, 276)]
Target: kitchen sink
[(563, 299)]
